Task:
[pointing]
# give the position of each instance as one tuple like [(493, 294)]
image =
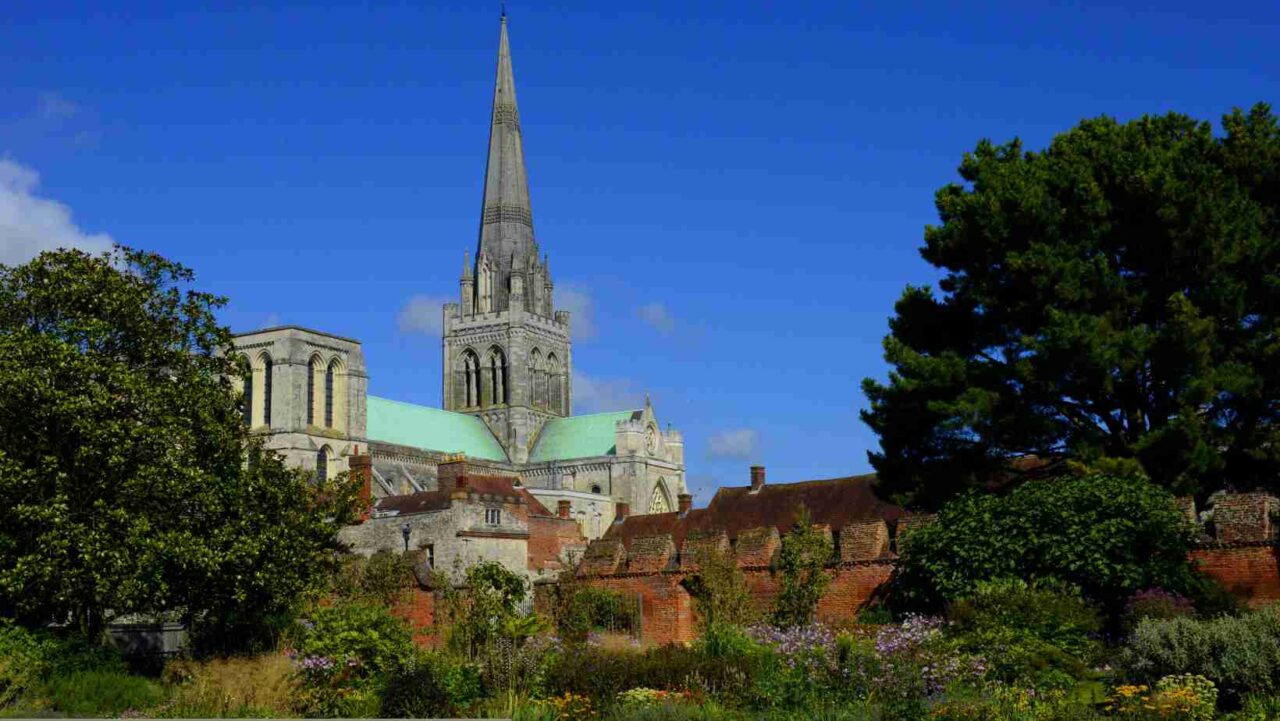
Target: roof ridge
[(418, 405), (592, 415)]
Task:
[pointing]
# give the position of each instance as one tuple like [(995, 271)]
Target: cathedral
[(507, 390)]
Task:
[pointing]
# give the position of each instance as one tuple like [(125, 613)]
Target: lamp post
[(404, 531)]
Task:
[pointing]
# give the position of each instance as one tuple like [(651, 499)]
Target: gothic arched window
[(328, 395), (335, 395), (496, 375), (555, 384), (322, 463), (314, 368), (267, 367), (536, 373), (658, 501), (470, 377), (248, 396)]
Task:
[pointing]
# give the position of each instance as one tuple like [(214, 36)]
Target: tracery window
[(470, 379), (658, 501), (497, 376)]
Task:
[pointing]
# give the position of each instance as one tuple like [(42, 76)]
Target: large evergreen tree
[(1114, 296), (129, 482)]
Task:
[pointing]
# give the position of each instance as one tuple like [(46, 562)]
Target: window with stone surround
[(493, 516)]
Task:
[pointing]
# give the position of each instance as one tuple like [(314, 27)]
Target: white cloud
[(657, 317), (52, 106), (422, 314), (593, 395), (577, 301), (30, 224), (736, 443)]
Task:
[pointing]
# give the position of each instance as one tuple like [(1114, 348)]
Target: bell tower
[(506, 348)]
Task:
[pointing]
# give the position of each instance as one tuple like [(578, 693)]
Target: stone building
[(507, 379)]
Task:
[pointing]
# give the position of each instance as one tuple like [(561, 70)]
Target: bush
[(345, 656), (1041, 636), (1241, 654), (581, 609), (102, 693), (802, 563), (719, 590), (1155, 603), (432, 686), (1108, 535), (383, 578), (29, 658), (601, 674)]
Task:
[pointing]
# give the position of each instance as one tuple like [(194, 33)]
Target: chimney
[(623, 510), (362, 467), (562, 508), (757, 478), (686, 502)]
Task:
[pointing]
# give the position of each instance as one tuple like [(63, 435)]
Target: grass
[(254, 686)]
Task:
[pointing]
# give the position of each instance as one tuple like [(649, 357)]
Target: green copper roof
[(407, 424), (578, 437)]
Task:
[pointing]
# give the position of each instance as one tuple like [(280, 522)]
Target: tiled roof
[(426, 501), (433, 429), (579, 436), (836, 502)]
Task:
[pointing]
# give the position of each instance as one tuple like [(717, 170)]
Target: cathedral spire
[(506, 222)]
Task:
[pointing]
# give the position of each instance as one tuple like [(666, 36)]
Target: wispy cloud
[(422, 315), (53, 106), (30, 224), (656, 316), (735, 443), (593, 395), (577, 300)]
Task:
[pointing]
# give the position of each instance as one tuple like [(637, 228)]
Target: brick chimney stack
[(562, 508), (623, 510), (686, 502), (757, 478)]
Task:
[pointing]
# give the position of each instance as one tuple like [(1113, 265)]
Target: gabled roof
[(579, 436), (493, 487), (433, 429), (835, 502)]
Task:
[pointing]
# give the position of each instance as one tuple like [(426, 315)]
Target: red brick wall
[(419, 610), (1250, 572), (667, 614), (550, 538)]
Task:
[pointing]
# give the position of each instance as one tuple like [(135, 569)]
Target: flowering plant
[(569, 707), (653, 697), (1184, 697)]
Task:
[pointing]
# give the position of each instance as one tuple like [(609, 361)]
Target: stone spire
[(506, 221)]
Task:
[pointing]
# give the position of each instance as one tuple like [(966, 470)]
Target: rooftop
[(407, 424), (579, 436)]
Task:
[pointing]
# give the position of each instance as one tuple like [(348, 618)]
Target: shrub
[(432, 686), (28, 658), (1108, 535), (474, 618), (1155, 603), (580, 609), (719, 591), (802, 563), (345, 654), (602, 674), (1241, 654), (230, 687), (102, 693), (1040, 636), (383, 578)]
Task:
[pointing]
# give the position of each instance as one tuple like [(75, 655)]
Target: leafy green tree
[(802, 564), (130, 483), (486, 609), (1107, 535), (719, 590), (1115, 295)]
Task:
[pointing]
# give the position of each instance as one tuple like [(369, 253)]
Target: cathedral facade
[(507, 386)]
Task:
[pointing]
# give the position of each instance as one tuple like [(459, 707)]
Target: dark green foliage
[(1041, 636), (1112, 296), (602, 674), (1241, 654), (484, 611), (802, 564), (386, 577), (581, 609), (123, 458), (102, 693), (28, 659), (432, 686), (346, 654), (1107, 535)]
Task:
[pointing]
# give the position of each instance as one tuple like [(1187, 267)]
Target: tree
[(1108, 535), (130, 483), (1114, 296), (719, 590), (802, 563)]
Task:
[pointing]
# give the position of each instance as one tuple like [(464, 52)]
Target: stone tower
[(506, 348)]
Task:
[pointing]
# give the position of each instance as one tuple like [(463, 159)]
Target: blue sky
[(732, 194)]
